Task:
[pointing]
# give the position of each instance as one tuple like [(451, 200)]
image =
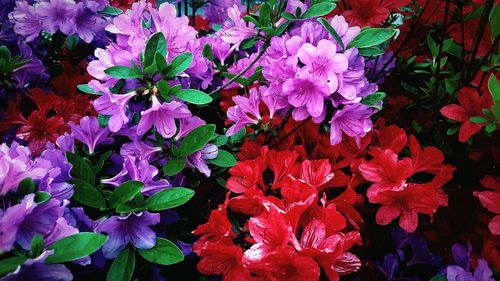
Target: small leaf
[(494, 87), (196, 140), (370, 37), (37, 245), (495, 21), (156, 44), (161, 62), (193, 96), (208, 52), (319, 9), (168, 198), (10, 264), (125, 192), (26, 186), (265, 14), (478, 119), (452, 130), (174, 166), (42, 197), (371, 52), (164, 253), (76, 247), (373, 99), (179, 64), (288, 16), (332, 31), (223, 159), (439, 278), (490, 127), (88, 195), (111, 11), (81, 168), (123, 72), (123, 266), (86, 89)]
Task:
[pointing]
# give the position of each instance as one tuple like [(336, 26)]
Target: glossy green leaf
[(174, 166), (478, 119), (81, 168), (196, 139), (223, 159), (10, 264), (370, 37), (88, 195), (123, 266), (193, 96), (125, 192), (37, 245), (164, 253), (123, 72), (26, 186), (168, 198), (76, 246), (156, 44), (332, 31), (179, 64), (319, 9)]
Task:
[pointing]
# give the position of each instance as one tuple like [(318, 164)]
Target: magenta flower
[(132, 228), (246, 111), (90, 133), (354, 120), (307, 94), (186, 125), (197, 159), (139, 149), (323, 61), (114, 105), (235, 30), (162, 116)]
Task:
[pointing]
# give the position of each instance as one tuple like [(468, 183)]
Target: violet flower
[(114, 106), (139, 170), (162, 116), (37, 269), (461, 269), (198, 159), (133, 228), (235, 29), (354, 120), (90, 133), (139, 149), (57, 14), (26, 21)]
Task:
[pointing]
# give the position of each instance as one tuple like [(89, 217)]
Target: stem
[(281, 125), (289, 133), (262, 51)]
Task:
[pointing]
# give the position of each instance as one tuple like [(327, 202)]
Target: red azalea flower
[(127, 4), (391, 177), (39, 130), (470, 105), (491, 201), (366, 13)]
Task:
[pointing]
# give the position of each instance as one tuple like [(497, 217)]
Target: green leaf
[(103, 120), (370, 37), (248, 43), (207, 52), (452, 130), (42, 197), (223, 159), (196, 139), (10, 264), (5, 53), (495, 21), (265, 14), (26, 186), (81, 168), (161, 62), (319, 9), (86, 89), (332, 31), (156, 44), (288, 16), (125, 192), (494, 87), (123, 72), (123, 266), (76, 247), (168, 198), (88, 195), (490, 127), (179, 64), (478, 119), (37, 245), (111, 11), (438, 278), (252, 18), (373, 99), (193, 96), (371, 52), (164, 253), (174, 166)]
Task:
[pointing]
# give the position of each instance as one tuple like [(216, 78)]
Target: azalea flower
[(470, 105), (489, 199)]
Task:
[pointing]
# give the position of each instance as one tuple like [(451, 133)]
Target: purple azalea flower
[(345, 32), (354, 120), (16, 164), (32, 71), (139, 170), (186, 125), (244, 112), (26, 21), (162, 116), (235, 29), (57, 14), (87, 22), (323, 61), (376, 65), (197, 159), (133, 228), (461, 271), (37, 269), (139, 149), (90, 133), (21, 222), (216, 10), (307, 94), (114, 105)]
